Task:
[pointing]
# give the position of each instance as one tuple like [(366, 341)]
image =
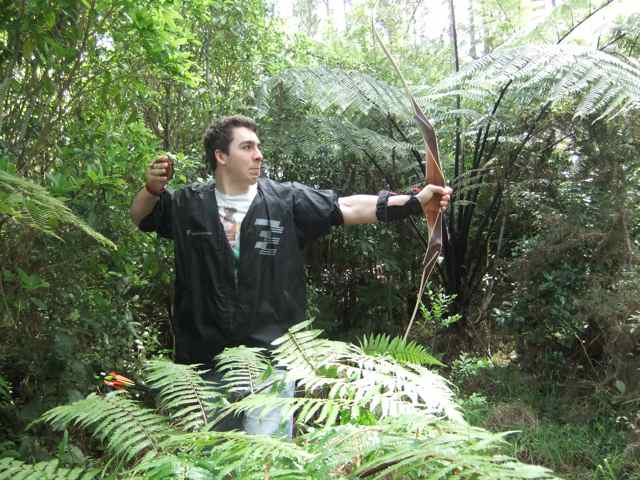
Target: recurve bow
[(433, 176)]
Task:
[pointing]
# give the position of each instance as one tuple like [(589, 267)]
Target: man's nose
[(257, 156)]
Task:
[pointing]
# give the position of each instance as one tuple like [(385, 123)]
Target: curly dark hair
[(219, 134)]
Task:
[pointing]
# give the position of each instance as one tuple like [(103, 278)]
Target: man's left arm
[(365, 209)]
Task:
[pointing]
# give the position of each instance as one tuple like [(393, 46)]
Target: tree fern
[(127, 430), (335, 90), (314, 133), (183, 392), (398, 348), (605, 83), (30, 204), (12, 469)]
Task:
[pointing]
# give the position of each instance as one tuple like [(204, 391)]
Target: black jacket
[(217, 307)]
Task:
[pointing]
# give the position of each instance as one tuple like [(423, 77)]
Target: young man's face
[(242, 163)]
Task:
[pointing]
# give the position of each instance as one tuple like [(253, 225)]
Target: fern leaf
[(127, 429), (244, 368), (555, 72), (233, 454), (315, 132), (12, 469), (30, 204), (337, 91), (5, 392), (408, 443), (398, 349), (183, 392), (351, 379), (302, 352)]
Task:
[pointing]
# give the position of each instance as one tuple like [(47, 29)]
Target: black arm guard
[(385, 213)]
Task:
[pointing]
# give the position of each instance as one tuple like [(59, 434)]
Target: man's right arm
[(158, 175)]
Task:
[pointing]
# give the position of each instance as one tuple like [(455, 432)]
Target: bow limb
[(433, 176)]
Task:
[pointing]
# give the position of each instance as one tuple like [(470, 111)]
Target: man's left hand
[(427, 193)]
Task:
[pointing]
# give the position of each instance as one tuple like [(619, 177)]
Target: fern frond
[(5, 392), (183, 392), (11, 468), (309, 410), (416, 447), (235, 442), (244, 368), (314, 133), (408, 444), (178, 466), (390, 389), (225, 454), (127, 429), (30, 204), (349, 377), (337, 91), (301, 352), (398, 349), (555, 73)]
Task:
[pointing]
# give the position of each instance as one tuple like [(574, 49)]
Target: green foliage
[(604, 83), (571, 447), (398, 348), (244, 368), (182, 392), (5, 392), (475, 409), (467, 366), (30, 204), (393, 442), (50, 470), (127, 430)]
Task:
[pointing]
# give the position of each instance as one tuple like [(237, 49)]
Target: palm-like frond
[(416, 447), (233, 453), (302, 352), (183, 392), (350, 380), (399, 349), (174, 465), (11, 468), (30, 204), (309, 410), (411, 444), (341, 93), (5, 392), (605, 83), (244, 368), (314, 133), (127, 430), (335, 90)]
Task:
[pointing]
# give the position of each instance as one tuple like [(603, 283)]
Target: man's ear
[(220, 157)]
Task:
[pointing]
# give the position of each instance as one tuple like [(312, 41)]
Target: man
[(239, 241)]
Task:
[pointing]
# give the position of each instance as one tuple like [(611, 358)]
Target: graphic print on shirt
[(231, 224), (268, 233)]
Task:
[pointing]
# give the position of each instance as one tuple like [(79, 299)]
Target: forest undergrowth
[(566, 422)]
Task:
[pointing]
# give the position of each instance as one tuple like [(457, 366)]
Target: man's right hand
[(158, 174)]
